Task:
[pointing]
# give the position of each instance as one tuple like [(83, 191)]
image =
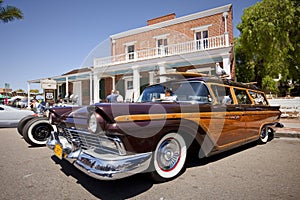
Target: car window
[(1, 108), (259, 98), (191, 91), (223, 94), (151, 93), (242, 96)]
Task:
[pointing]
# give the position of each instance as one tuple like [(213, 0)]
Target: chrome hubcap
[(168, 154)]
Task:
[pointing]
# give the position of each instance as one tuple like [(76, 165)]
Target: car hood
[(111, 111)]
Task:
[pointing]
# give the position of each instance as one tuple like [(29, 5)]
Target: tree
[(269, 43), (20, 90), (34, 91), (9, 13)]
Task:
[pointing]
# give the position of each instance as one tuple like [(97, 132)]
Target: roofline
[(178, 20), (61, 76)]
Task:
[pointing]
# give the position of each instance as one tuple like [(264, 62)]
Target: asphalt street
[(253, 171)]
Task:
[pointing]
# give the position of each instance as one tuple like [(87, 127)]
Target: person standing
[(112, 97), (6, 101), (119, 97)]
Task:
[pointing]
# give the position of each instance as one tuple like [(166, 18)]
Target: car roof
[(191, 76)]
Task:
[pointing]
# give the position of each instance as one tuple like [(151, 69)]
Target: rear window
[(242, 96), (223, 94), (259, 98)]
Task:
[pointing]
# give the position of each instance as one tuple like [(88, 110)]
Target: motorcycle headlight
[(92, 123)]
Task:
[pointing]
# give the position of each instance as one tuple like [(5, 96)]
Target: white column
[(225, 15), (67, 86), (91, 88), (96, 88), (136, 83), (58, 86), (226, 64), (28, 94), (151, 78), (113, 82), (162, 70)]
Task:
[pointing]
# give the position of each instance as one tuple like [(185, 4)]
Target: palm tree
[(9, 13)]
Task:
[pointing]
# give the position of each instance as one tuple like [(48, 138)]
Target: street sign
[(48, 84), (49, 96)]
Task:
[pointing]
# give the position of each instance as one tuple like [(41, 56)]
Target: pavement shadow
[(117, 189), (194, 161), (136, 184)]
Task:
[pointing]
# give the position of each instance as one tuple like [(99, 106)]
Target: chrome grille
[(89, 140), (86, 139)]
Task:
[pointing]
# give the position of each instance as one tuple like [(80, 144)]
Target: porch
[(168, 50), (130, 72)]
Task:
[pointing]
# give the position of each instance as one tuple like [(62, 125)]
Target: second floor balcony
[(168, 50)]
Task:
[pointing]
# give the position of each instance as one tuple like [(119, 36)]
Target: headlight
[(93, 124)]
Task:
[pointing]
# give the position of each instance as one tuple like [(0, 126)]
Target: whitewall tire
[(37, 131), (169, 157), (264, 135)]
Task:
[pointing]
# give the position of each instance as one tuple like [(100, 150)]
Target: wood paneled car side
[(154, 135)]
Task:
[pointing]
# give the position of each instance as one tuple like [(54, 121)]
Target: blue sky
[(57, 36)]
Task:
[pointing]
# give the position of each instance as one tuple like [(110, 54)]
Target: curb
[(287, 135)]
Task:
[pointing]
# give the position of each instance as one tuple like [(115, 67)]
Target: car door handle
[(238, 108)]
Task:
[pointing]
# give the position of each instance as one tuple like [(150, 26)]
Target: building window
[(201, 39), (129, 84), (201, 36), (162, 48), (130, 52), (161, 44)]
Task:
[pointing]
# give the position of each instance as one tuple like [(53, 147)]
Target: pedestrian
[(112, 97), (119, 97)]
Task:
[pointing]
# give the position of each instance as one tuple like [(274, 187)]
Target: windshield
[(186, 91)]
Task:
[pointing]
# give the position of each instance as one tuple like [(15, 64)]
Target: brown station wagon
[(196, 114)]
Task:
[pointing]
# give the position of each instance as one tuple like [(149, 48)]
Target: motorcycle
[(36, 128)]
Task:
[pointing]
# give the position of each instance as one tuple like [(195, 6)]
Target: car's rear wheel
[(169, 157), (23, 122), (37, 131), (265, 134)]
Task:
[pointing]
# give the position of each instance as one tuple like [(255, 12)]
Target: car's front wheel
[(169, 157), (37, 131)]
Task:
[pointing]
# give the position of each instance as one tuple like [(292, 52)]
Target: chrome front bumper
[(101, 165)]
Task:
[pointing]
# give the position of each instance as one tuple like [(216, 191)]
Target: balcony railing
[(162, 51)]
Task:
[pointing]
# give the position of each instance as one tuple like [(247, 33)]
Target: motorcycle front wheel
[(37, 131), (23, 122)]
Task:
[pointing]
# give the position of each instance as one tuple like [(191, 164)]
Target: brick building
[(193, 42)]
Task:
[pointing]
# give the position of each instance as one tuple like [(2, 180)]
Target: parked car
[(202, 115), (22, 103), (14, 100), (10, 117)]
